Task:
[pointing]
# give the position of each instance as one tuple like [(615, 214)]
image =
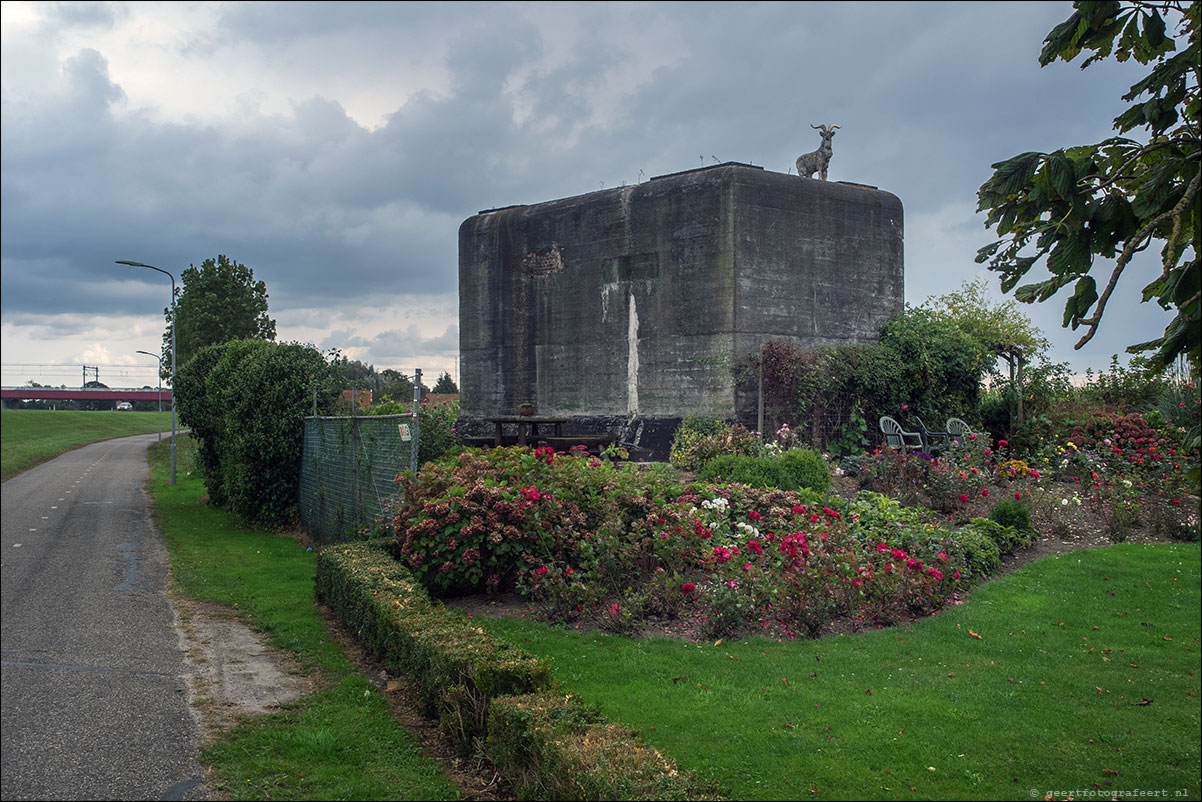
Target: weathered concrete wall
[(635, 304)]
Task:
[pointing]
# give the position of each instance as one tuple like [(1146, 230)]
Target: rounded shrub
[(1011, 512), (806, 468), (763, 472)]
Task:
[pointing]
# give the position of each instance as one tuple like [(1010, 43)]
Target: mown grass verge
[(341, 742), (1076, 676), (490, 696), (33, 436)]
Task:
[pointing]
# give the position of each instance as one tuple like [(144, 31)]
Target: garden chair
[(897, 437), (933, 441), (958, 430)]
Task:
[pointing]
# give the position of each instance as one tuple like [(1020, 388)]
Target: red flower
[(540, 571), (1002, 444), (1035, 474), (567, 572), (1017, 495), (984, 491), (687, 587), (963, 498)]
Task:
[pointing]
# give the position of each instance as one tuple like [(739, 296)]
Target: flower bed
[(585, 539)]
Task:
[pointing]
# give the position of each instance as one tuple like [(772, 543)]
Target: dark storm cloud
[(330, 212)]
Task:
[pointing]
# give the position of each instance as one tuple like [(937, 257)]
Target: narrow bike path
[(94, 701)]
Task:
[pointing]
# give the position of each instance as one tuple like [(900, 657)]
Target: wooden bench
[(487, 442)]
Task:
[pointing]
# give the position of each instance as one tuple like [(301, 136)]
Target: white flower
[(1063, 502)]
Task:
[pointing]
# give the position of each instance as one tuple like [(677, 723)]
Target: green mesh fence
[(348, 472)]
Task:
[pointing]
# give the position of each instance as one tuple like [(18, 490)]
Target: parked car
[(124, 405)]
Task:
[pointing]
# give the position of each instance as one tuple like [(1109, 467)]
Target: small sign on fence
[(403, 428)]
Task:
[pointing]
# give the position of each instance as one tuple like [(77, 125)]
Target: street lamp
[(160, 358), (173, 327)]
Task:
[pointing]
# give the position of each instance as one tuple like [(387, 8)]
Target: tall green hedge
[(246, 401)]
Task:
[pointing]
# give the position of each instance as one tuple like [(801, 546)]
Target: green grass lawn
[(33, 436), (339, 743), (1076, 674)]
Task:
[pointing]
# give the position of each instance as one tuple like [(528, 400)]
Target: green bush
[(1007, 538), (245, 401), (437, 435), (793, 470), (979, 551), (1013, 513), (765, 472), (806, 469), (267, 399), (205, 420)]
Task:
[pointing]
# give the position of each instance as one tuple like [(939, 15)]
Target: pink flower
[(755, 516), (540, 571), (898, 554), (746, 567), (941, 556), (935, 572), (1002, 444), (1034, 474), (882, 548), (956, 575), (687, 587), (905, 407)]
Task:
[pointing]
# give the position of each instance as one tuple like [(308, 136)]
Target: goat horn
[(816, 127), (833, 127)]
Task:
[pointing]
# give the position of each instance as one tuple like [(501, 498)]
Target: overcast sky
[(335, 148)]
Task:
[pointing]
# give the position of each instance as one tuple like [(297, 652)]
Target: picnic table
[(527, 426)]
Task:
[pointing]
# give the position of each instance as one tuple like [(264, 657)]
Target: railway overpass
[(14, 394)]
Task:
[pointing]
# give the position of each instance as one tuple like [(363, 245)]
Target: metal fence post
[(415, 439)]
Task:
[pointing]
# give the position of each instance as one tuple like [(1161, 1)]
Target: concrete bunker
[(627, 309)]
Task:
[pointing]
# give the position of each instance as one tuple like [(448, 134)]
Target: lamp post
[(173, 326), (160, 358)]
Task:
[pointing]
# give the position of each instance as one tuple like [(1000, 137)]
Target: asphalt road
[(93, 699)]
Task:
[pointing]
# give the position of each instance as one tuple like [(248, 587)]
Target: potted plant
[(526, 409)]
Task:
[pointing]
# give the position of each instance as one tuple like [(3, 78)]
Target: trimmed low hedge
[(456, 669), (489, 694), (553, 746)]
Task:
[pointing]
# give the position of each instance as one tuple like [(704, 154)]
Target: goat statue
[(817, 161)]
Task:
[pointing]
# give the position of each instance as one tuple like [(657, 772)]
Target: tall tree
[(1113, 199), (445, 384), (1002, 328), (219, 301)]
